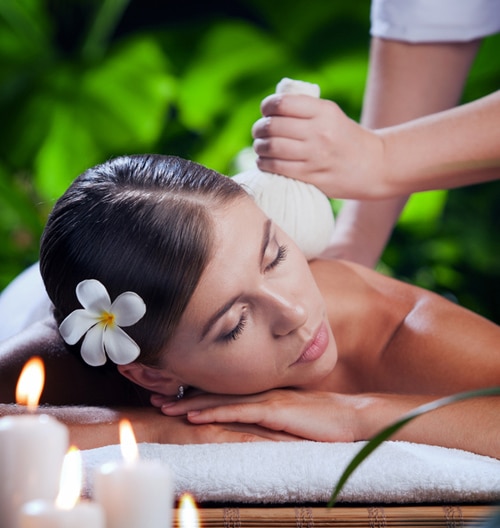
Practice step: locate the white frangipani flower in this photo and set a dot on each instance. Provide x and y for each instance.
(101, 321)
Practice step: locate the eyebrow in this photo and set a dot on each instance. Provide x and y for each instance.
(226, 307)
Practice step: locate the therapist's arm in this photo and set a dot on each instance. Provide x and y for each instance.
(405, 81)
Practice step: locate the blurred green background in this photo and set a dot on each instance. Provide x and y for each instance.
(85, 80)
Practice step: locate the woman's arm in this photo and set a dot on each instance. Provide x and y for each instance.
(450, 149)
(327, 417)
(405, 81)
(91, 427)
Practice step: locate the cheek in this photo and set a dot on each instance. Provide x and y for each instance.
(239, 370)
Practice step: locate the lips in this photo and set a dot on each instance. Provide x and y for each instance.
(317, 347)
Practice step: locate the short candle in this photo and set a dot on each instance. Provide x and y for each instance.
(43, 514)
(66, 511)
(134, 493)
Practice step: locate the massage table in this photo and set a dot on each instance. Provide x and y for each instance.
(289, 483)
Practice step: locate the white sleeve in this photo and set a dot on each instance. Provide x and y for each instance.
(434, 20)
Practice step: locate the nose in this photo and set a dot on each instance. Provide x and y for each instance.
(286, 312)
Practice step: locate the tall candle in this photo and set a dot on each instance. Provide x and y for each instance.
(134, 493)
(67, 511)
(32, 449)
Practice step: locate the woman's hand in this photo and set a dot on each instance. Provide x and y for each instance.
(311, 415)
(312, 140)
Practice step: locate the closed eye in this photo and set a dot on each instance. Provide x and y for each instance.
(280, 257)
(237, 330)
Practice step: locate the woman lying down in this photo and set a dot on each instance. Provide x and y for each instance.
(171, 287)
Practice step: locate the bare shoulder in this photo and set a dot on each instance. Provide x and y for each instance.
(343, 275)
(413, 340)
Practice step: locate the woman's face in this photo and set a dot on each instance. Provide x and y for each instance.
(256, 320)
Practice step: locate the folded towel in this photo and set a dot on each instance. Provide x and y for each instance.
(295, 472)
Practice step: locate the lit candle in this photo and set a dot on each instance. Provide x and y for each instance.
(134, 493)
(188, 512)
(32, 449)
(67, 511)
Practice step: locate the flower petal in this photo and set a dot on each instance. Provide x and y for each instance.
(92, 350)
(75, 325)
(93, 296)
(120, 347)
(128, 308)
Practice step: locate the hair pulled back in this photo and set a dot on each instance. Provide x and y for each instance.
(137, 223)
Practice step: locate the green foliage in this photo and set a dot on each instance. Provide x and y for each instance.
(85, 80)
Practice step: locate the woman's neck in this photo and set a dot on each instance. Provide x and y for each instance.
(363, 317)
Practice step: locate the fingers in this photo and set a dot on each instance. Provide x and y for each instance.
(286, 127)
(241, 413)
(290, 105)
(157, 400)
(288, 116)
(281, 149)
(289, 149)
(198, 403)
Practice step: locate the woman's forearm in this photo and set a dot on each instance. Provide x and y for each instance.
(92, 427)
(445, 150)
(471, 425)
(331, 417)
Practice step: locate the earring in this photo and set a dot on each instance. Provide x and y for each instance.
(180, 392)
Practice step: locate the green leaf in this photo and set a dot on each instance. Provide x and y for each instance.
(17, 208)
(230, 55)
(386, 433)
(117, 105)
(342, 79)
(21, 224)
(105, 21)
(25, 24)
(223, 145)
(423, 209)
(126, 97)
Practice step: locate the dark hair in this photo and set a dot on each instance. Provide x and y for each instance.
(137, 223)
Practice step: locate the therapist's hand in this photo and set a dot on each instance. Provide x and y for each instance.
(312, 140)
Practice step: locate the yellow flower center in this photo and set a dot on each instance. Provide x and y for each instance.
(107, 319)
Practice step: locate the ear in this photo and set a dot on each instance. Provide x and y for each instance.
(151, 378)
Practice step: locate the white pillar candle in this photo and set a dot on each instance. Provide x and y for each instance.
(66, 511)
(134, 493)
(45, 514)
(32, 449)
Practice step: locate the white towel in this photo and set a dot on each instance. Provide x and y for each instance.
(295, 472)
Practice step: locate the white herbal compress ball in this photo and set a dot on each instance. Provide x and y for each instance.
(300, 209)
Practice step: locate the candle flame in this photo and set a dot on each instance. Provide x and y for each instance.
(70, 484)
(128, 442)
(30, 385)
(188, 512)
